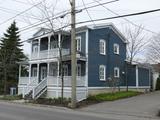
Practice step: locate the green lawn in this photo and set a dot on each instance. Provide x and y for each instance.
(112, 96)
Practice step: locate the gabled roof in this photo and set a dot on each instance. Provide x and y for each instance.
(45, 31)
(99, 26)
(41, 31)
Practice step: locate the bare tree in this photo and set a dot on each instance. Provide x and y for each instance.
(47, 13)
(137, 42)
(153, 53)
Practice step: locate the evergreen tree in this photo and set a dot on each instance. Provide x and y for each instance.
(10, 53)
(158, 83)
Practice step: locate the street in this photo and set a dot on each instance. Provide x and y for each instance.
(11, 111)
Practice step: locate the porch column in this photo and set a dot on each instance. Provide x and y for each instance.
(137, 81)
(38, 72)
(49, 42)
(58, 73)
(59, 41)
(31, 49)
(39, 42)
(20, 66)
(48, 67)
(30, 72)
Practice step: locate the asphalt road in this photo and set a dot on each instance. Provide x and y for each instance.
(11, 111)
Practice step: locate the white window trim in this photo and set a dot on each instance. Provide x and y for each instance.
(78, 38)
(118, 71)
(116, 45)
(104, 72)
(104, 42)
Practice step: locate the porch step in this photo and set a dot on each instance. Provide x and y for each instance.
(29, 95)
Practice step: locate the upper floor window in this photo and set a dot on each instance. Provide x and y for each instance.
(35, 49)
(102, 47)
(102, 71)
(116, 72)
(54, 44)
(116, 48)
(78, 41)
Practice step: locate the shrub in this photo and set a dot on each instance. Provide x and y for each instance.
(52, 101)
(158, 83)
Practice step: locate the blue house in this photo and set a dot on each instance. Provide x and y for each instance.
(101, 55)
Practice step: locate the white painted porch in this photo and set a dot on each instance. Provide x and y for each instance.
(53, 81)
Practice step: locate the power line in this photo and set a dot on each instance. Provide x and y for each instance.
(109, 18)
(124, 18)
(20, 13)
(88, 12)
(10, 11)
(62, 14)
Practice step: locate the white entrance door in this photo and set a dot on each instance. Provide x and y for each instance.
(43, 73)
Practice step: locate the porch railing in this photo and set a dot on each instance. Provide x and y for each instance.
(25, 81)
(49, 54)
(57, 81)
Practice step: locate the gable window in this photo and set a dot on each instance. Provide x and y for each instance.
(102, 71)
(116, 72)
(78, 43)
(116, 48)
(102, 47)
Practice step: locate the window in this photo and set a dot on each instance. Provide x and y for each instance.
(102, 47)
(34, 72)
(35, 49)
(116, 48)
(54, 44)
(65, 70)
(78, 69)
(116, 72)
(78, 41)
(102, 71)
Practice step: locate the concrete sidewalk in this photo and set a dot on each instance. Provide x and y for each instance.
(136, 108)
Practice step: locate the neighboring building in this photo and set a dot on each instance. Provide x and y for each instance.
(101, 54)
(139, 76)
(156, 73)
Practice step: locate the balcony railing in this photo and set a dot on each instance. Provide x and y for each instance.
(49, 54)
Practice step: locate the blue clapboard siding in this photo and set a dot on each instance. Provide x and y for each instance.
(131, 75)
(143, 77)
(95, 59)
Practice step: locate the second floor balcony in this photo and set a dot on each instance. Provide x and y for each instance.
(49, 54)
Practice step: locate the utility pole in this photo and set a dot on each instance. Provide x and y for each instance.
(73, 54)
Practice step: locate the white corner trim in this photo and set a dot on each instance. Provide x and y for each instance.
(87, 41)
(137, 79)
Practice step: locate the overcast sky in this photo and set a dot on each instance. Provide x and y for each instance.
(10, 8)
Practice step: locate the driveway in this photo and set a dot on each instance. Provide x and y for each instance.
(139, 107)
